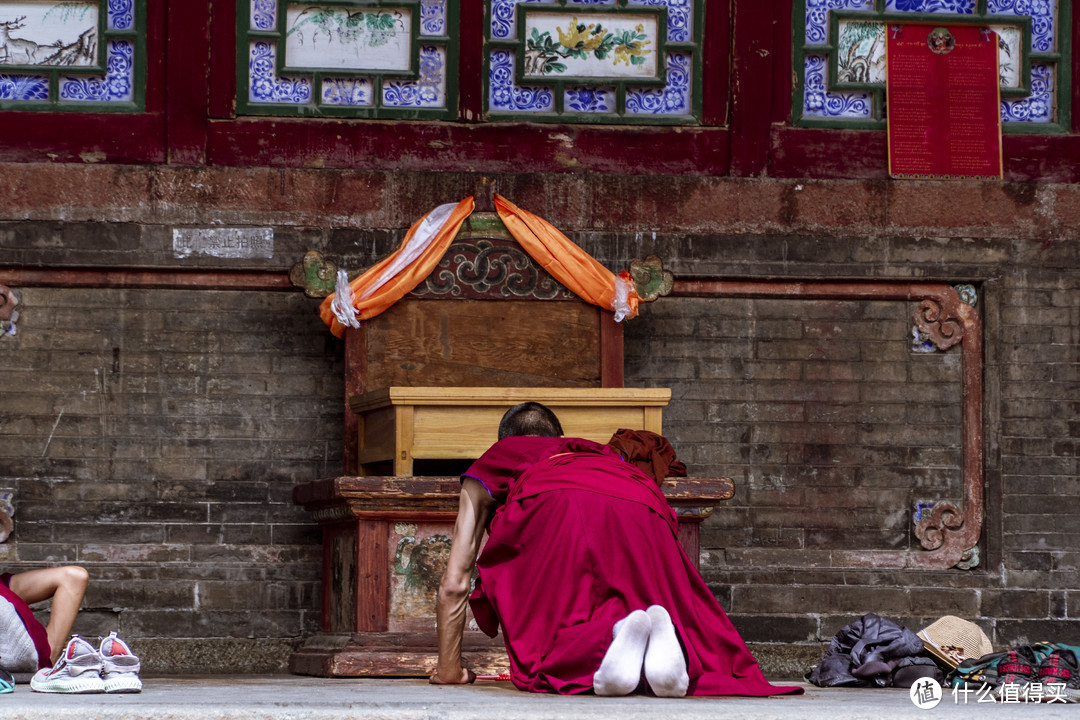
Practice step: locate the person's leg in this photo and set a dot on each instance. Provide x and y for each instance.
(620, 670)
(66, 586)
(665, 664)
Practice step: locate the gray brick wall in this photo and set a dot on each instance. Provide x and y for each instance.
(155, 435)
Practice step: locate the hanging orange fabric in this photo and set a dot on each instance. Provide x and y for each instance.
(404, 281)
(567, 263)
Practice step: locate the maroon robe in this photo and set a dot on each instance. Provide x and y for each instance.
(580, 539)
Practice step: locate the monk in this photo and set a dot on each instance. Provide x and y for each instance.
(584, 574)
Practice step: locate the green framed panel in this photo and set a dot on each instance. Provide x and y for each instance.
(347, 58)
(592, 44)
(82, 56)
(1029, 76)
(516, 88)
(837, 57)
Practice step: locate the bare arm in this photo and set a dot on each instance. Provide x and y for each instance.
(474, 510)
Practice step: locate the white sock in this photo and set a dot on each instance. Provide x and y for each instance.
(665, 664)
(620, 671)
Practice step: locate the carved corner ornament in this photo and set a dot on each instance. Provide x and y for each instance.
(9, 315)
(316, 275)
(651, 280)
(951, 531)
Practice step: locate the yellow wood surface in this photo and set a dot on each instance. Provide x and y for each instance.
(454, 423)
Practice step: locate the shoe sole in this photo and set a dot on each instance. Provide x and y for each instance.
(71, 686)
(123, 684)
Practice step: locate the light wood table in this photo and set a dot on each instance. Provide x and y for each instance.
(401, 424)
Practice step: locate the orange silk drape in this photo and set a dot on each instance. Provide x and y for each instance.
(399, 285)
(567, 263)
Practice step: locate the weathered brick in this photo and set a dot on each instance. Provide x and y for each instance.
(1015, 604)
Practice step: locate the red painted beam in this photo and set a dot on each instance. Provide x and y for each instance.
(222, 81)
(187, 56)
(449, 147)
(716, 63)
(751, 83)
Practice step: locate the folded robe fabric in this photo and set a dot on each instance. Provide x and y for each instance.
(649, 452)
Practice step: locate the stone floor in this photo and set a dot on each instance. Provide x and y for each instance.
(290, 697)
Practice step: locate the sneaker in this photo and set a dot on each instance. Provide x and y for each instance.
(7, 682)
(1060, 676)
(78, 671)
(1017, 671)
(119, 666)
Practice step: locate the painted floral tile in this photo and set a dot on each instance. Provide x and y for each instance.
(817, 16)
(340, 37)
(590, 45)
(428, 91)
(860, 52)
(117, 85)
(818, 101)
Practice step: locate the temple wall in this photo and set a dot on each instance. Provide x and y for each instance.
(153, 433)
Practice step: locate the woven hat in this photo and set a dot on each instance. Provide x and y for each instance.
(953, 640)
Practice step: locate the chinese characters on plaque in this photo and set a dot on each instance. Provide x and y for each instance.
(943, 102)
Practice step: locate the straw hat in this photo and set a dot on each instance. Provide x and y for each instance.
(953, 640)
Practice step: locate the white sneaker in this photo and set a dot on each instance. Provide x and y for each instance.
(77, 671)
(119, 666)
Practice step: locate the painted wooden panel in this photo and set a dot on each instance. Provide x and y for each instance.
(72, 55)
(451, 342)
(840, 58)
(629, 61)
(377, 59)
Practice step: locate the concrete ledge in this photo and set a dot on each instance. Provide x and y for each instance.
(289, 698)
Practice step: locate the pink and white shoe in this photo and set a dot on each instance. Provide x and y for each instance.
(119, 666)
(77, 671)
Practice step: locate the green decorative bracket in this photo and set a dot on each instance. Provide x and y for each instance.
(969, 560)
(316, 275)
(650, 279)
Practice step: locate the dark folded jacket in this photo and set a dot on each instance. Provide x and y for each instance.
(873, 652)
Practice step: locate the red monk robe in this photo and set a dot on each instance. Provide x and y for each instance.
(580, 539)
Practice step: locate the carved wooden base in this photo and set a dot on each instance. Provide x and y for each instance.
(391, 655)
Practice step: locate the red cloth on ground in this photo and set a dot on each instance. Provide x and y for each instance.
(581, 539)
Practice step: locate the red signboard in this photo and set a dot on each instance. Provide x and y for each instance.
(943, 102)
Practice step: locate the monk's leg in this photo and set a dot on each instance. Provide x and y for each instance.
(620, 671)
(665, 664)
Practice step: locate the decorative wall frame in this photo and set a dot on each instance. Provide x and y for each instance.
(839, 58)
(949, 532)
(351, 58)
(87, 55)
(582, 61)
